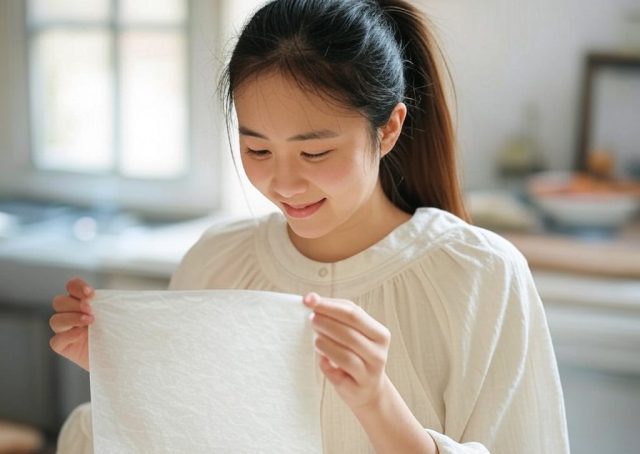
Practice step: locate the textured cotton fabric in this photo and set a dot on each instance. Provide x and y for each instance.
(470, 348)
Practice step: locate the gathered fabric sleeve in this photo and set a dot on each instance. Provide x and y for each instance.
(76, 436)
(223, 257)
(503, 391)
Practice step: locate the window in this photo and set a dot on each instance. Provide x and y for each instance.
(92, 168)
(108, 86)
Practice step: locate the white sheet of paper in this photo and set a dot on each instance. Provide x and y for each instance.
(203, 372)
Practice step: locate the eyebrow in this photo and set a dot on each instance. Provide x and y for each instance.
(319, 134)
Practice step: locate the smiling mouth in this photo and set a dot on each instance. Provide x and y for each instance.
(302, 210)
(299, 207)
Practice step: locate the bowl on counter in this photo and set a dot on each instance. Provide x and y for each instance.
(575, 200)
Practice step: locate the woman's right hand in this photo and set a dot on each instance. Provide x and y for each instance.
(70, 322)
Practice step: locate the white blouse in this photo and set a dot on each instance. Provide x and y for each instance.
(470, 348)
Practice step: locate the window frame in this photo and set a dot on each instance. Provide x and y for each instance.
(198, 192)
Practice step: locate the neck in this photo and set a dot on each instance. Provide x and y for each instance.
(364, 229)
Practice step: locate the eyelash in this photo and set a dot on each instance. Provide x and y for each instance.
(263, 153)
(316, 155)
(258, 153)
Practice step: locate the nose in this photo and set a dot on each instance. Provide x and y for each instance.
(287, 180)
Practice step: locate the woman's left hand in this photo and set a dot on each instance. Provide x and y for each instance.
(353, 349)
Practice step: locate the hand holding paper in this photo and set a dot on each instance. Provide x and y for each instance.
(69, 323)
(354, 348)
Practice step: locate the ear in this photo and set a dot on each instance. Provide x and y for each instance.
(389, 133)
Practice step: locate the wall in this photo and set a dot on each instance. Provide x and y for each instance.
(505, 54)
(13, 109)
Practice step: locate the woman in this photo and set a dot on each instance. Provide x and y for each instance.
(431, 335)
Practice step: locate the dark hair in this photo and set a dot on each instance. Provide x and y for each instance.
(366, 55)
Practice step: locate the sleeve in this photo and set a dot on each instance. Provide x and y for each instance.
(76, 436)
(190, 273)
(503, 393)
(218, 258)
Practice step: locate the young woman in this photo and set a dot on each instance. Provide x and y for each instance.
(431, 335)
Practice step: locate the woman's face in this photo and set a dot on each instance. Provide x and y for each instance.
(309, 157)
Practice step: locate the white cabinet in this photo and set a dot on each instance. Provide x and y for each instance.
(595, 327)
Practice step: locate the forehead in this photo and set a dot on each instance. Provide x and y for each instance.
(277, 105)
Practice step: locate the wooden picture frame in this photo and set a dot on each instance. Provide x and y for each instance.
(610, 102)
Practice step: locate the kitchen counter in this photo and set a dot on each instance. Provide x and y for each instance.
(143, 248)
(617, 256)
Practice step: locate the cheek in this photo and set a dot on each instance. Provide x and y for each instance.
(343, 175)
(257, 172)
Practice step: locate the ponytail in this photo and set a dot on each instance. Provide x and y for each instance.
(369, 56)
(422, 168)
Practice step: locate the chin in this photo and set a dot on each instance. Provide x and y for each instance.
(307, 229)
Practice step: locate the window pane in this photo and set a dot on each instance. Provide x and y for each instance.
(69, 10)
(72, 101)
(153, 104)
(165, 11)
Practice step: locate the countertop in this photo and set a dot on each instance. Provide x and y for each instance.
(616, 256)
(148, 250)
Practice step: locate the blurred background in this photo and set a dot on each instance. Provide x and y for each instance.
(114, 158)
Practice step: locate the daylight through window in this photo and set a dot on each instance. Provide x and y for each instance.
(108, 86)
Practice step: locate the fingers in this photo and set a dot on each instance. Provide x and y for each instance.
(336, 375)
(61, 341)
(65, 303)
(66, 321)
(70, 322)
(350, 314)
(77, 300)
(348, 338)
(79, 289)
(341, 357)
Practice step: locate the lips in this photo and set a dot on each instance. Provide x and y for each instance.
(302, 210)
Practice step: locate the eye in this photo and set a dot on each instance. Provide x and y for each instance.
(258, 153)
(316, 155)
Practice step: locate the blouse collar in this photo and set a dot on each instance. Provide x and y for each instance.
(285, 265)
